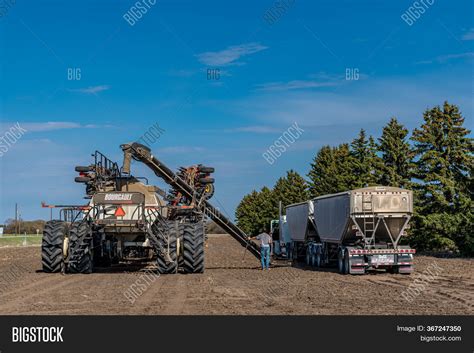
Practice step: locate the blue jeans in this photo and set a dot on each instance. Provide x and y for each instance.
(265, 256)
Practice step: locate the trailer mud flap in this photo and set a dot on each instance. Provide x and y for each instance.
(357, 265)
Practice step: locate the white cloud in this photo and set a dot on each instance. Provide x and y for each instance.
(468, 35)
(91, 89)
(319, 80)
(362, 103)
(445, 58)
(49, 126)
(294, 85)
(230, 55)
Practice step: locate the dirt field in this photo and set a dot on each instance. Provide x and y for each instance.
(229, 286)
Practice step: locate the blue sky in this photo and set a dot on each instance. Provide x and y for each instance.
(271, 76)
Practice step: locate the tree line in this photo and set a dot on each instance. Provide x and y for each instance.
(20, 227)
(435, 161)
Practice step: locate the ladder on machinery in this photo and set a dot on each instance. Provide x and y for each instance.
(368, 217)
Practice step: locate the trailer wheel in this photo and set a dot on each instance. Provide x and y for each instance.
(308, 256)
(294, 253)
(340, 261)
(318, 257)
(193, 247)
(313, 259)
(52, 256)
(80, 248)
(347, 265)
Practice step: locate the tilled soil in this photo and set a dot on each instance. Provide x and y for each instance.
(232, 284)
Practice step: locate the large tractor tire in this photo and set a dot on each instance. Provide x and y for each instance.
(52, 245)
(193, 247)
(80, 248)
(168, 241)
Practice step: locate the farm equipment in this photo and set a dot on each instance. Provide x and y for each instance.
(360, 230)
(128, 220)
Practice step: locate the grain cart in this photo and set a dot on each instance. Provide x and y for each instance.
(128, 220)
(359, 230)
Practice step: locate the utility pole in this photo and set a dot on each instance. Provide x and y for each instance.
(19, 223)
(16, 218)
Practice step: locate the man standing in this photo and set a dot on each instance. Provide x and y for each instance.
(265, 241)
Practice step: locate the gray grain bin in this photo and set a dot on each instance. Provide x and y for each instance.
(298, 217)
(375, 214)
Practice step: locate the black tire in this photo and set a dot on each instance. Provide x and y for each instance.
(206, 180)
(308, 257)
(80, 248)
(208, 191)
(206, 170)
(340, 262)
(347, 266)
(317, 261)
(294, 253)
(193, 247)
(82, 179)
(83, 169)
(167, 237)
(52, 256)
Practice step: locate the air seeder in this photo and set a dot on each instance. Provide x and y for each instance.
(128, 220)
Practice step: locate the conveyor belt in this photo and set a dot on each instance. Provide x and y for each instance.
(143, 154)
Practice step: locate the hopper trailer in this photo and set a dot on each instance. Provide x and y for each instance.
(359, 230)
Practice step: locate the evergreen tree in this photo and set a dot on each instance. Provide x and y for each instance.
(266, 210)
(367, 165)
(331, 171)
(396, 155)
(255, 211)
(375, 163)
(344, 177)
(247, 212)
(444, 164)
(290, 189)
